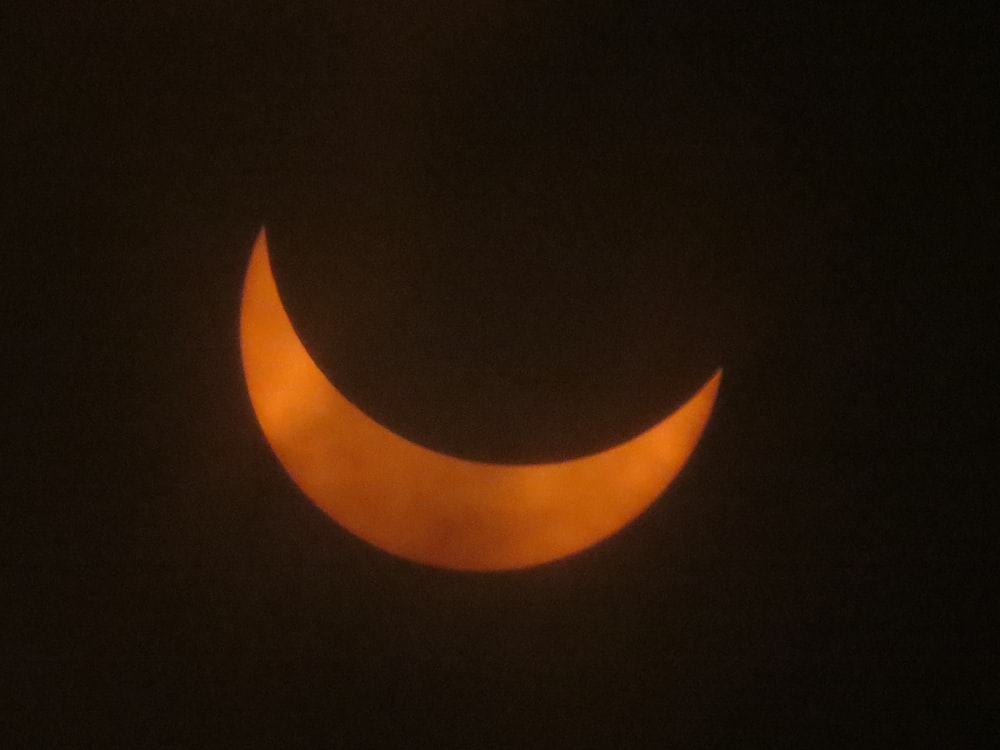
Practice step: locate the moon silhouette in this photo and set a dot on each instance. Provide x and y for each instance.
(426, 506)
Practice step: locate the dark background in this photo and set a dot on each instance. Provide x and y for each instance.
(516, 232)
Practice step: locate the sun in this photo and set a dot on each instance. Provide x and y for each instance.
(427, 506)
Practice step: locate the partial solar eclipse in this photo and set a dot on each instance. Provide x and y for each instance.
(424, 505)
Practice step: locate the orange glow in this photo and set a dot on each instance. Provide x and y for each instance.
(427, 506)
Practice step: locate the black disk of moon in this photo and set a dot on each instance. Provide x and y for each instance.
(510, 253)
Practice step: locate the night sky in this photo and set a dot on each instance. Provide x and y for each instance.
(511, 232)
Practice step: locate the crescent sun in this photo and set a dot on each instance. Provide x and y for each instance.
(426, 506)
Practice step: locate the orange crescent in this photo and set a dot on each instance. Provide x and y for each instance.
(426, 506)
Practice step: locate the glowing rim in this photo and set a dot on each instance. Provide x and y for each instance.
(426, 506)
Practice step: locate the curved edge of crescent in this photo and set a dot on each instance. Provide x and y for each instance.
(426, 506)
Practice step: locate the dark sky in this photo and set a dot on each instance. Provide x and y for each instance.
(518, 232)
